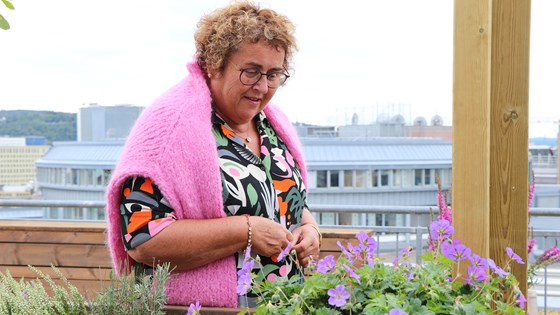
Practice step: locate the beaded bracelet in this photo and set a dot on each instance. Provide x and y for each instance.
(249, 232)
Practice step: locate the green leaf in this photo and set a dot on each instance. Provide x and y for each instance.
(220, 139)
(3, 23)
(253, 195)
(327, 311)
(8, 4)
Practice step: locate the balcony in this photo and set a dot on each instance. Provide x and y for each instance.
(77, 248)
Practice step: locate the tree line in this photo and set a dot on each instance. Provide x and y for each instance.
(55, 126)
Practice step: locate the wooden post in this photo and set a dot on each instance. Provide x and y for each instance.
(490, 128)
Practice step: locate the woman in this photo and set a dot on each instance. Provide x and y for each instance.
(211, 168)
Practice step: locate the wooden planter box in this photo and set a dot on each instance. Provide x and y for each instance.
(78, 251)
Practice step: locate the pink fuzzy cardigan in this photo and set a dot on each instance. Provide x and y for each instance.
(172, 143)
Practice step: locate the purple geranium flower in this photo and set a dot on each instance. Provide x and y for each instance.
(514, 256)
(326, 264)
(476, 274)
(478, 261)
(367, 243)
(441, 229)
(244, 283)
(396, 311)
(284, 252)
(455, 251)
(247, 253)
(246, 268)
(521, 300)
(338, 295)
(348, 254)
(499, 271)
(194, 309)
(352, 273)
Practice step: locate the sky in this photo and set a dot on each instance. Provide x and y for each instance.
(375, 58)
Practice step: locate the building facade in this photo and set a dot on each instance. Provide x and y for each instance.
(101, 123)
(17, 162)
(77, 171)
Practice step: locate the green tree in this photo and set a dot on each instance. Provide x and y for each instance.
(3, 22)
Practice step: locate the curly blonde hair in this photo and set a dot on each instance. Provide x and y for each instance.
(222, 32)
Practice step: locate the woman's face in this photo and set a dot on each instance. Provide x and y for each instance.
(238, 103)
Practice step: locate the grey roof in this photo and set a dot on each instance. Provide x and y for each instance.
(82, 154)
(379, 152)
(319, 153)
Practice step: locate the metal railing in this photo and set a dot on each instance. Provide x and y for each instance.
(388, 237)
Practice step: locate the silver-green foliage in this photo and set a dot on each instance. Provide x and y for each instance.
(130, 294)
(30, 297)
(134, 295)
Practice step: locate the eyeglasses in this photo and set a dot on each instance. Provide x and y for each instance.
(274, 79)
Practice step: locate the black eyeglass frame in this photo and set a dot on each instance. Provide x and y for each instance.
(285, 73)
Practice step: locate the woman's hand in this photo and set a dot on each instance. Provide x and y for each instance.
(307, 243)
(269, 238)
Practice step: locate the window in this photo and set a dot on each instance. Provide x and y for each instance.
(106, 176)
(348, 179)
(385, 178)
(397, 181)
(334, 178)
(427, 176)
(417, 177)
(74, 176)
(374, 179)
(321, 179)
(98, 176)
(360, 178)
(407, 178)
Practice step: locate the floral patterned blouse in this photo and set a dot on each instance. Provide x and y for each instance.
(269, 185)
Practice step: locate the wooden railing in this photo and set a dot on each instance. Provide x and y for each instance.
(78, 251)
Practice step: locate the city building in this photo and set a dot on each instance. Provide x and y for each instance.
(384, 171)
(77, 171)
(101, 123)
(17, 166)
(376, 171)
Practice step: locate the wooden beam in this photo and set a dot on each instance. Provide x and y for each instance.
(490, 127)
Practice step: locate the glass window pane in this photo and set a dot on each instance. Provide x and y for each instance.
(407, 178)
(348, 178)
(321, 179)
(106, 176)
(397, 178)
(417, 177)
(385, 178)
(374, 179)
(427, 176)
(334, 178)
(361, 178)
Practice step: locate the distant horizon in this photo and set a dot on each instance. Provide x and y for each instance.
(539, 131)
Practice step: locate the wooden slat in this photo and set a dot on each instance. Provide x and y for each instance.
(52, 236)
(42, 225)
(341, 234)
(63, 255)
(88, 288)
(69, 273)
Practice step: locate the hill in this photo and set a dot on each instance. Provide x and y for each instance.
(55, 126)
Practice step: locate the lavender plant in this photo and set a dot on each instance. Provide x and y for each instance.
(129, 294)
